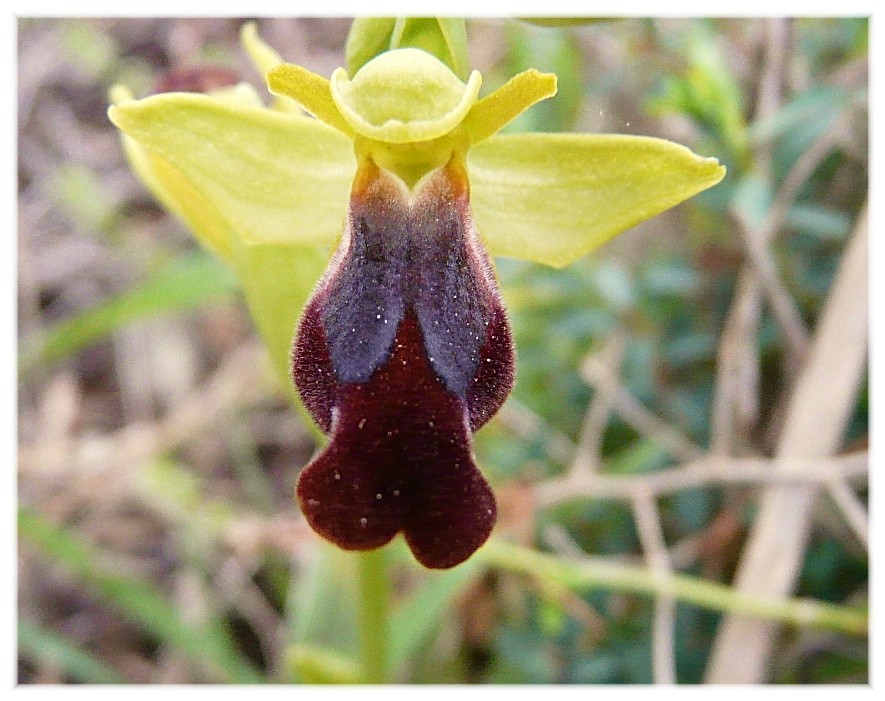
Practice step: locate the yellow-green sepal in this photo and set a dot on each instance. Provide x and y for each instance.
(262, 55)
(265, 59)
(552, 198)
(270, 176)
(277, 278)
(193, 175)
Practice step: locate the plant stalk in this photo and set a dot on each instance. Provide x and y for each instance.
(598, 574)
(374, 593)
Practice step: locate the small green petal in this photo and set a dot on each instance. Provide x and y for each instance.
(551, 198)
(403, 96)
(513, 98)
(310, 90)
(272, 176)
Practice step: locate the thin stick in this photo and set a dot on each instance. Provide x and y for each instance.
(526, 423)
(637, 416)
(821, 403)
(707, 471)
(852, 509)
(589, 449)
(785, 311)
(590, 573)
(648, 525)
(735, 404)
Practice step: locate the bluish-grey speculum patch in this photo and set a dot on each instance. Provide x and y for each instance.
(403, 351)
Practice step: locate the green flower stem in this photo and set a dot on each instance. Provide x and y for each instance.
(374, 593)
(597, 574)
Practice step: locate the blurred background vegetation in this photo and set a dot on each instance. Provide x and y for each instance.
(159, 540)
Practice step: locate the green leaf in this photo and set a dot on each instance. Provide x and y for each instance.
(271, 176)
(322, 606)
(184, 283)
(412, 626)
(818, 220)
(820, 103)
(48, 647)
(708, 92)
(752, 197)
(319, 665)
(208, 645)
(641, 456)
(551, 198)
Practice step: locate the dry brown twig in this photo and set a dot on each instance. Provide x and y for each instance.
(588, 452)
(651, 535)
(820, 406)
(798, 469)
(234, 384)
(636, 415)
(707, 471)
(852, 509)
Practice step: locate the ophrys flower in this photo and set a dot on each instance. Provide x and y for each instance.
(403, 349)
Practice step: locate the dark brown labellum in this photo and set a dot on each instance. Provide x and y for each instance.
(402, 352)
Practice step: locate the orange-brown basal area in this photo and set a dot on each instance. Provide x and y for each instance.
(403, 352)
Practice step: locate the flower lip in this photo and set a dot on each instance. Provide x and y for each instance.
(403, 351)
(402, 96)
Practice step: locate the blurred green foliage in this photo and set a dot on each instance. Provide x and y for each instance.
(671, 300)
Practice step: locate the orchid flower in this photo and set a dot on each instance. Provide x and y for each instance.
(403, 349)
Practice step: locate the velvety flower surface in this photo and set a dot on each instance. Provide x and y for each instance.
(402, 353)
(403, 349)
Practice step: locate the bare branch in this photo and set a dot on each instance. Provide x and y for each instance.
(651, 535)
(788, 471)
(523, 421)
(589, 449)
(736, 404)
(820, 406)
(782, 305)
(852, 509)
(636, 415)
